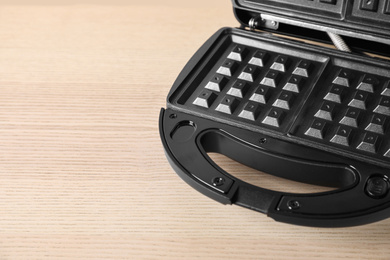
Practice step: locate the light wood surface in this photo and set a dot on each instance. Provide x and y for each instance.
(82, 171)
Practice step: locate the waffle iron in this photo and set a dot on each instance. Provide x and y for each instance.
(290, 108)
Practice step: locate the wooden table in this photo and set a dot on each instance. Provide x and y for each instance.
(82, 170)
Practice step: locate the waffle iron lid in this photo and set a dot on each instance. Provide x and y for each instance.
(362, 19)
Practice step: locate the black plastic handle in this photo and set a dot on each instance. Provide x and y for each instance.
(362, 194)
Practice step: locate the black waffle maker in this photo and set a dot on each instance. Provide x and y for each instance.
(290, 108)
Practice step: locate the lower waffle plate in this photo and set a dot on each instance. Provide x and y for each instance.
(317, 105)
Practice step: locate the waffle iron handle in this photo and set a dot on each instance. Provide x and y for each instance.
(187, 139)
(190, 161)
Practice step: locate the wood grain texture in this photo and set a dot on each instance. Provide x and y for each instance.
(82, 171)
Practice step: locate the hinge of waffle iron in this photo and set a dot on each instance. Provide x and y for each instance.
(258, 22)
